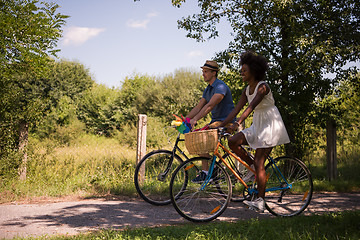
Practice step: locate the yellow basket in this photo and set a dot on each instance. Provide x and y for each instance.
(201, 142)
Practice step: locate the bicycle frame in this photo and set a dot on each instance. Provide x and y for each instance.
(175, 148)
(279, 175)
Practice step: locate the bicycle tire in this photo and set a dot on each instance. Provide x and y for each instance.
(154, 188)
(195, 203)
(291, 201)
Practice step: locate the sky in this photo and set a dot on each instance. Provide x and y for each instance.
(116, 39)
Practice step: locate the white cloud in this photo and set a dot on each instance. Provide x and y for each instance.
(137, 24)
(141, 23)
(153, 14)
(196, 53)
(79, 35)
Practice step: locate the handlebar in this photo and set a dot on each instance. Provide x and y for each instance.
(222, 132)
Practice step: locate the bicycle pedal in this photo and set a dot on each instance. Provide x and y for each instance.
(251, 208)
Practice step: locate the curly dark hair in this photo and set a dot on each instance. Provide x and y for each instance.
(258, 64)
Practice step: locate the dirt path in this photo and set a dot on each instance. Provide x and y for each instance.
(72, 217)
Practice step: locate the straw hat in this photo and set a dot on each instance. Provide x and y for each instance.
(210, 64)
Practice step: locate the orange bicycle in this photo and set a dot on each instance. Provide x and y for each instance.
(289, 184)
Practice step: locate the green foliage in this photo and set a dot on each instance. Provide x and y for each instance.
(105, 110)
(173, 94)
(8, 166)
(235, 83)
(132, 89)
(342, 104)
(88, 165)
(100, 111)
(69, 79)
(298, 39)
(29, 31)
(29, 34)
(65, 87)
(157, 135)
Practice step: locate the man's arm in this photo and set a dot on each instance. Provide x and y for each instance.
(197, 108)
(215, 99)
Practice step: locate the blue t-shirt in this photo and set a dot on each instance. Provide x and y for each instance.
(221, 110)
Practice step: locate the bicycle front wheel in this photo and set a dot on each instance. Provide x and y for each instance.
(200, 200)
(289, 187)
(153, 174)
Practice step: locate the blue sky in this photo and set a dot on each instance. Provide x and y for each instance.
(117, 38)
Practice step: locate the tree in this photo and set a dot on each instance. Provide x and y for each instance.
(29, 33)
(302, 39)
(66, 84)
(175, 93)
(104, 110)
(100, 110)
(340, 109)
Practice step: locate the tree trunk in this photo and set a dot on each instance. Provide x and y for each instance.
(23, 142)
(331, 149)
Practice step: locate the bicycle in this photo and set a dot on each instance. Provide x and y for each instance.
(289, 185)
(153, 173)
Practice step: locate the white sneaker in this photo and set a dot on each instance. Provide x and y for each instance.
(249, 177)
(257, 204)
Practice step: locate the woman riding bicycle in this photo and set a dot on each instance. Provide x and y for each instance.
(267, 129)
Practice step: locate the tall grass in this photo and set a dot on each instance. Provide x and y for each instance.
(89, 166)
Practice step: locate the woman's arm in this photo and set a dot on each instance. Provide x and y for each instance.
(236, 110)
(262, 90)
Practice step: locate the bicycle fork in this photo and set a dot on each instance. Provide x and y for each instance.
(161, 177)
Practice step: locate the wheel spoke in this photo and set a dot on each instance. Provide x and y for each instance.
(295, 199)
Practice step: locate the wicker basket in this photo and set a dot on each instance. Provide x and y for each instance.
(201, 142)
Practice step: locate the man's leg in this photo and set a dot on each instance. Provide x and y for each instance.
(205, 164)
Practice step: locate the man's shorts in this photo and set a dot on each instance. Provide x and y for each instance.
(217, 123)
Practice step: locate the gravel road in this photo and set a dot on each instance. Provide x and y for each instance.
(71, 217)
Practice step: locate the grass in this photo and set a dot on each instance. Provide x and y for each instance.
(89, 166)
(344, 225)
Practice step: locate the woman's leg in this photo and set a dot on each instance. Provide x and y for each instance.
(235, 142)
(261, 155)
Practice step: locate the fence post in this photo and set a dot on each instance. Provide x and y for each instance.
(141, 143)
(331, 149)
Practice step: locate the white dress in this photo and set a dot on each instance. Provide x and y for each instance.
(267, 129)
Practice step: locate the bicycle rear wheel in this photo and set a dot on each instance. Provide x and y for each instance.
(290, 197)
(200, 201)
(153, 174)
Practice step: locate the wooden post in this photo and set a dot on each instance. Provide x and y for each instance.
(331, 149)
(141, 143)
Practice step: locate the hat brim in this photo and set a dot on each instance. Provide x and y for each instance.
(210, 67)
